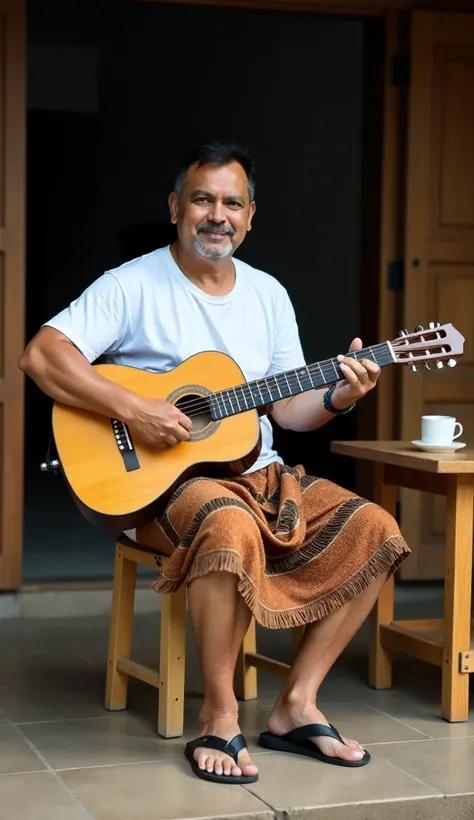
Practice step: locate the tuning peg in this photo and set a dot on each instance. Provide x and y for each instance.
(451, 363)
(427, 366)
(438, 324)
(403, 332)
(432, 325)
(413, 368)
(439, 365)
(419, 327)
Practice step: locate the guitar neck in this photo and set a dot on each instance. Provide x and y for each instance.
(251, 395)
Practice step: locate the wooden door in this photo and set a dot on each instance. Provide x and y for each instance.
(439, 250)
(12, 285)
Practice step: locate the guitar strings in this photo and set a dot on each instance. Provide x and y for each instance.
(284, 380)
(194, 407)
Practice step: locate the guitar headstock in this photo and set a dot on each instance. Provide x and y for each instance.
(435, 344)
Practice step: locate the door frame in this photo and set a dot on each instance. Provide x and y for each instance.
(12, 249)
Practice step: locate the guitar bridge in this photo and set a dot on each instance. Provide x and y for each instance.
(124, 443)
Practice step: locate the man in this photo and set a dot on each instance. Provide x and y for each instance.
(288, 548)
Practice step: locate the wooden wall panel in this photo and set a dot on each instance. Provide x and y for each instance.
(12, 278)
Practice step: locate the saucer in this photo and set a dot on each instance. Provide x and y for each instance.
(439, 448)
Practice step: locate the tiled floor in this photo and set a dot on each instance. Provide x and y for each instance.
(63, 757)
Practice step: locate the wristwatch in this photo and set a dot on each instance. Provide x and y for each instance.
(328, 405)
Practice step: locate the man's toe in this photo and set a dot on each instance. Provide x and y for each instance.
(211, 763)
(249, 770)
(246, 765)
(202, 760)
(354, 746)
(352, 753)
(342, 751)
(335, 748)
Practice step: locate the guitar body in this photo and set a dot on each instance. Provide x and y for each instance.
(121, 490)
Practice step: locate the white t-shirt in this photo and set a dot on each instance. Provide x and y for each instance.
(147, 314)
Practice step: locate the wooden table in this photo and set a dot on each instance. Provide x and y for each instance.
(447, 642)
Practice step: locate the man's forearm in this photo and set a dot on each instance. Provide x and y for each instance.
(305, 412)
(63, 373)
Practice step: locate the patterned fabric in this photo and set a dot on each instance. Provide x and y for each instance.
(300, 546)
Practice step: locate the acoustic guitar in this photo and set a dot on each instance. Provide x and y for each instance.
(118, 481)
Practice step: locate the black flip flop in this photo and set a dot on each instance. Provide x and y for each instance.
(297, 743)
(229, 747)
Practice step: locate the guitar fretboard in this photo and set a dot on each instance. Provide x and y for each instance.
(250, 395)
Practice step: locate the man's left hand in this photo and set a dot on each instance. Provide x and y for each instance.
(360, 376)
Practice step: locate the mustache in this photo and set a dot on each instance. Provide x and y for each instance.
(211, 227)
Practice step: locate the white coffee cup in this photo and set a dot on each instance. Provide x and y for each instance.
(439, 429)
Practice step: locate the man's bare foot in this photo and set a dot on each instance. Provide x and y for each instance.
(225, 726)
(286, 717)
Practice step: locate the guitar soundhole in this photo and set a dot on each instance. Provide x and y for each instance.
(194, 401)
(198, 410)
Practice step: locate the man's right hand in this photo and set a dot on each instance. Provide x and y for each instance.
(159, 423)
(64, 374)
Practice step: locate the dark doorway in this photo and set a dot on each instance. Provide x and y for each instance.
(101, 160)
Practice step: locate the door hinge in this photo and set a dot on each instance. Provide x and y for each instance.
(395, 274)
(400, 71)
(466, 661)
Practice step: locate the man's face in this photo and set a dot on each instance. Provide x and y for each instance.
(213, 212)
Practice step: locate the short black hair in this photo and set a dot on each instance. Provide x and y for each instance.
(216, 153)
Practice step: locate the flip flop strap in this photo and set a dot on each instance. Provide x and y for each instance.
(312, 730)
(229, 747)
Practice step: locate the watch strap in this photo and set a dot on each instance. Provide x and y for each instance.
(329, 407)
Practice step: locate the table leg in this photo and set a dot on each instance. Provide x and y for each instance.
(457, 596)
(380, 658)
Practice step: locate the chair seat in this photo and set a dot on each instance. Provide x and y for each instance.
(125, 541)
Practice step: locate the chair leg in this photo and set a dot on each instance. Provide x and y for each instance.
(121, 628)
(380, 658)
(172, 664)
(245, 683)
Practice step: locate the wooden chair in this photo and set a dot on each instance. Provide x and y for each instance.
(169, 678)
